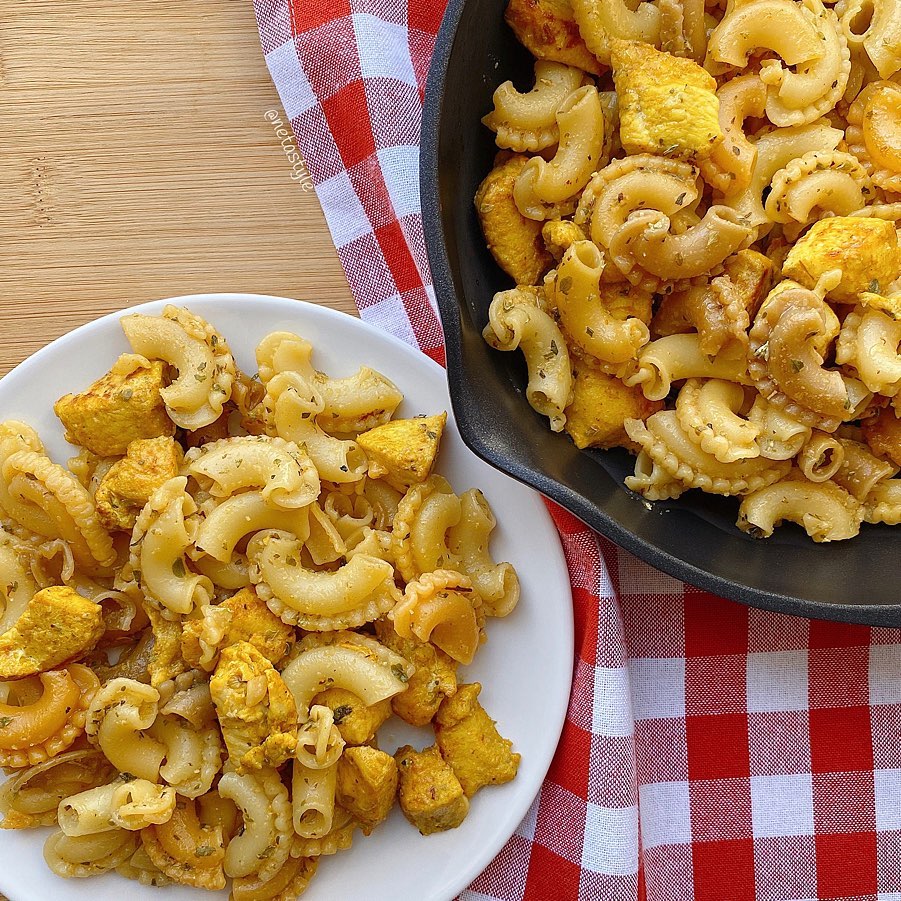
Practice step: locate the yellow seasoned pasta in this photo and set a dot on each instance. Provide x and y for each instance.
(780, 157)
(186, 699)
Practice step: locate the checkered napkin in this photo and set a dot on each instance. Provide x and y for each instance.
(710, 751)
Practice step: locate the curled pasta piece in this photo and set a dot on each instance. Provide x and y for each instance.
(313, 799)
(290, 882)
(17, 584)
(129, 804)
(803, 93)
(496, 583)
(781, 437)
(788, 340)
(117, 719)
(36, 479)
(193, 754)
(80, 856)
(442, 607)
(591, 325)
(515, 321)
(236, 517)
(647, 240)
(31, 797)
(652, 481)
(731, 162)
(293, 405)
(193, 704)
(357, 402)
(421, 527)
(17, 436)
(821, 457)
(528, 121)
(869, 341)
(324, 543)
(818, 183)
(710, 410)
(206, 369)
(142, 869)
(601, 20)
(883, 503)
(874, 133)
(677, 357)
(162, 535)
(667, 444)
(788, 29)
(775, 150)
(883, 38)
(264, 845)
(187, 850)
(822, 509)
(339, 838)
(350, 661)
(350, 515)
(860, 470)
(359, 592)
(637, 182)
(40, 727)
(319, 743)
(285, 352)
(281, 470)
(543, 185)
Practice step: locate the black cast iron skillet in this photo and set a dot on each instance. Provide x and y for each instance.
(693, 538)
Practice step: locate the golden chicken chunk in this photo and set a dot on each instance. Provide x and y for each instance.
(248, 619)
(356, 721)
(429, 793)
(515, 242)
(559, 234)
(864, 249)
(165, 659)
(882, 434)
(118, 408)
(403, 451)
(548, 29)
(434, 679)
(256, 710)
(601, 404)
(128, 484)
(667, 104)
(366, 785)
(469, 741)
(56, 626)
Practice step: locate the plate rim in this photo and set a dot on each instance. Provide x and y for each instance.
(553, 725)
(451, 309)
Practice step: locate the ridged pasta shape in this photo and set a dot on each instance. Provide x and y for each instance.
(356, 402)
(822, 509)
(652, 481)
(193, 754)
(675, 357)
(883, 38)
(131, 804)
(49, 716)
(665, 441)
(516, 322)
(118, 718)
(860, 470)
(528, 121)
(781, 437)
(443, 608)
(279, 469)
(319, 743)
(264, 845)
(164, 532)
(358, 592)
(80, 856)
(883, 504)
(710, 409)
(601, 20)
(583, 315)
(421, 529)
(468, 541)
(290, 882)
(874, 133)
(236, 517)
(350, 661)
(869, 341)
(206, 369)
(285, 352)
(543, 185)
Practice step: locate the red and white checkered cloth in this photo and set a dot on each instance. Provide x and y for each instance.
(711, 751)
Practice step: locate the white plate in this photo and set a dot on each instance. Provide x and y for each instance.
(525, 667)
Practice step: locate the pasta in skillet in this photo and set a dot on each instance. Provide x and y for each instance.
(718, 289)
(203, 628)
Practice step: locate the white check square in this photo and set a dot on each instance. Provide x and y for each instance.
(665, 813)
(658, 687)
(384, 49)
(611, 840)
(776, 681)
(293, 88)
(782, 805)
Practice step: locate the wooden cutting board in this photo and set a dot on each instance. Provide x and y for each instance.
(137, 162)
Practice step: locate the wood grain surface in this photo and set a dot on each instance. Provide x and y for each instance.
(137, 162)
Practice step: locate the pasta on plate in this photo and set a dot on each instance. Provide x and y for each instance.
(700, 208)
(203, 628)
